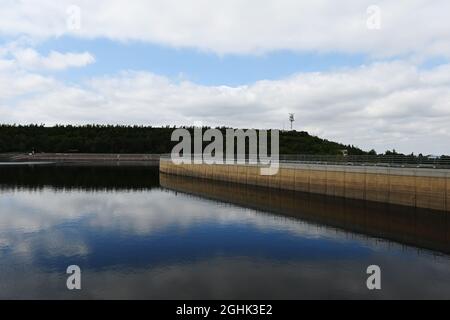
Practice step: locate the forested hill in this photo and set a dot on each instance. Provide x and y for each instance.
(134, 139)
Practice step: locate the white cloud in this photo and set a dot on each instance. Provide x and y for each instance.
(16, 84)
(19, 55)
(235, 26)
(382, 105)
(30, 59)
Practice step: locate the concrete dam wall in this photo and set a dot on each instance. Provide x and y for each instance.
(415, 187)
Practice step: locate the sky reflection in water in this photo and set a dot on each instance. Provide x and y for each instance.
(135, 239)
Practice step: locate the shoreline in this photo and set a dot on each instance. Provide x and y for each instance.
(78, 159)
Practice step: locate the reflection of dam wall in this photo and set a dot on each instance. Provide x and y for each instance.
(79, 176)
(418, 227)
(416, 187)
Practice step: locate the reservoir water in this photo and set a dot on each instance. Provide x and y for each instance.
(136, 234)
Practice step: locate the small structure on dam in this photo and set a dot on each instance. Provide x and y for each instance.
(409, 186)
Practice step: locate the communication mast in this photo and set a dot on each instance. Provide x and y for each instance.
(291, 119)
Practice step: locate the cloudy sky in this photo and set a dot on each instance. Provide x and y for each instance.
(370, 73)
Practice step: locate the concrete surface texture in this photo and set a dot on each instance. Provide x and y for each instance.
(416, 187)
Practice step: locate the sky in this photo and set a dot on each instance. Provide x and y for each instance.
(375, 74)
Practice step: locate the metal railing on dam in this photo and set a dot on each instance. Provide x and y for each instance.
(84, 157)
(408, 184)
(394, 160)
(381, 160)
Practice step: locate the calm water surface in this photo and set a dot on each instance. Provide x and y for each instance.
(138, 235)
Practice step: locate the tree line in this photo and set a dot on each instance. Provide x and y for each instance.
(137, 139)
